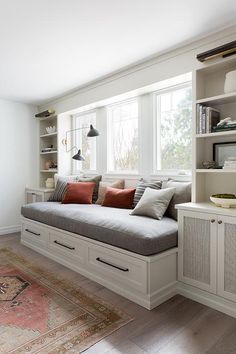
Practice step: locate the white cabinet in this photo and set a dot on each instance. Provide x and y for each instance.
(207, 252)
(227, 257)
(33, 195)
(197, 250)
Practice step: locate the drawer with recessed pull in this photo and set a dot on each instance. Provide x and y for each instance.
(68, 246)
(127, 271)
(33, 233)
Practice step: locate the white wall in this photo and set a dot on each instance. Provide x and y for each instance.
(18, 160)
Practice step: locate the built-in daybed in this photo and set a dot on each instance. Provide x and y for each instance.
(134, 256)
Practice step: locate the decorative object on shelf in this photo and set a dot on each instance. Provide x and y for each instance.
(222, 152)
(224, 200)
(48, 149)
(230, 163)
(53, 166)
(51, 130)
(221, 51)
(45, 114)
(225, 124)
(209, 164)
(230, 82)
(91, 133)
(48, 164)
(207, 119)
(49, 182)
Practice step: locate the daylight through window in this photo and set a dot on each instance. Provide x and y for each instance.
(174, 127)
(123, 137)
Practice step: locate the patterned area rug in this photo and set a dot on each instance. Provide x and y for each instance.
(42, 313)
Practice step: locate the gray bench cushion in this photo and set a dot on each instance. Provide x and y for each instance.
(114, 226)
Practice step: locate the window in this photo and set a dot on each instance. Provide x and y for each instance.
(173, 133)
(123, 137)
(87, 145)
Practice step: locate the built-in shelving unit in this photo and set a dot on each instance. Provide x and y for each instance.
(209, 91)
(47, 141)
(58, 155)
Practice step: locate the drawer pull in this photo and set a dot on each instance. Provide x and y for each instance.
(32, 232)
(112, 265)
(220, 222)
(61, 244)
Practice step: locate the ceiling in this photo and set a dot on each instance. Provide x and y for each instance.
(50, 47)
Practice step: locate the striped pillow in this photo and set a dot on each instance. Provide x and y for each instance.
(141, 188)
(61, 187)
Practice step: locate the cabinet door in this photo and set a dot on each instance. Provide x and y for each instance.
(197, 249)
(227, 257)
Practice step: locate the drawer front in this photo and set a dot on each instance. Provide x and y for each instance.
(127, 271)
(34, 234)
(67, 246)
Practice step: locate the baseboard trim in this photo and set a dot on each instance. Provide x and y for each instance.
(211, 300)
(9, 229)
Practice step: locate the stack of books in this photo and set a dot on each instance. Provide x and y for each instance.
(207, 119)
(230, 163)
(224, 127)
(45, 114)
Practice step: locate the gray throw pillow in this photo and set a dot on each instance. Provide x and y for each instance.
(182, 195)
(61, 186)
(154, 203)
(142, 185)
(96, 180)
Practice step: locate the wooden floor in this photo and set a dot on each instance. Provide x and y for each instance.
(178, 326)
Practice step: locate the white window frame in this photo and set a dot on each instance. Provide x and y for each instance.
(123, 173)
(156, 134)
(75, 170)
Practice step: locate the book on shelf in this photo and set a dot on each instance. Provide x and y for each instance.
(45, 114)
(207, 119)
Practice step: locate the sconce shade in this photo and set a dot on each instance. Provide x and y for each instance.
(78, 156)
(92, 132)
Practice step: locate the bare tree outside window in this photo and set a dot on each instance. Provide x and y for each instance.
(174, 129)
(123, 137)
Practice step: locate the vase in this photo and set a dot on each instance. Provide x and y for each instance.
(230, 82)
(50, 183)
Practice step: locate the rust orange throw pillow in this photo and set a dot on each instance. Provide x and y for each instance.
(119, 198)
(79, 193)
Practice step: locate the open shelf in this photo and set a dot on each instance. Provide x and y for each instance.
(213, 135)
(48, 171)
(212, 170)
(48, 152)
(47, 135)
(218, 100)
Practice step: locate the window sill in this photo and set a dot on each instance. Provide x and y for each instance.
(90, 173)
(172, 174)
(125, 175)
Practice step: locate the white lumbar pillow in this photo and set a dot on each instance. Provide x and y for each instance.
(154, 202)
